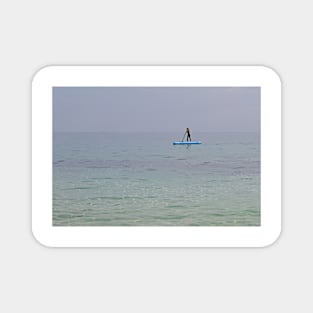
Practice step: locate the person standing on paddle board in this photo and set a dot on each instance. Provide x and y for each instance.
(188, 134)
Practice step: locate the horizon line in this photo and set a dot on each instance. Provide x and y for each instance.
(151, 131)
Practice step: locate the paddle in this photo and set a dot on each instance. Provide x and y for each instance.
(184, 136)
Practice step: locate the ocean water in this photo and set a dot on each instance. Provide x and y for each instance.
(141, 179)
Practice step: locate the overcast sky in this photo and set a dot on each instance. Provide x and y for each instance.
(144, 109)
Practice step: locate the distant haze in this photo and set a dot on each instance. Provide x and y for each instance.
(156, 109)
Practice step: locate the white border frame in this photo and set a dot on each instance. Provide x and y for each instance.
(208, 236)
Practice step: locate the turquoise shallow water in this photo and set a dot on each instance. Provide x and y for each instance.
(141, 179)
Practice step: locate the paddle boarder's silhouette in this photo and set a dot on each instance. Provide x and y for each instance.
(188, 134)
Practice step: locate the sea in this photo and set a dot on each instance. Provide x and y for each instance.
(142, 179)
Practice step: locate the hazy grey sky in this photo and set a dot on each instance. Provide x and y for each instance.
(127, 109)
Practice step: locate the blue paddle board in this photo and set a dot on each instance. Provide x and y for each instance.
(187, 142)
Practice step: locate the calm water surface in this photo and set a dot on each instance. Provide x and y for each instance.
(141, 179)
